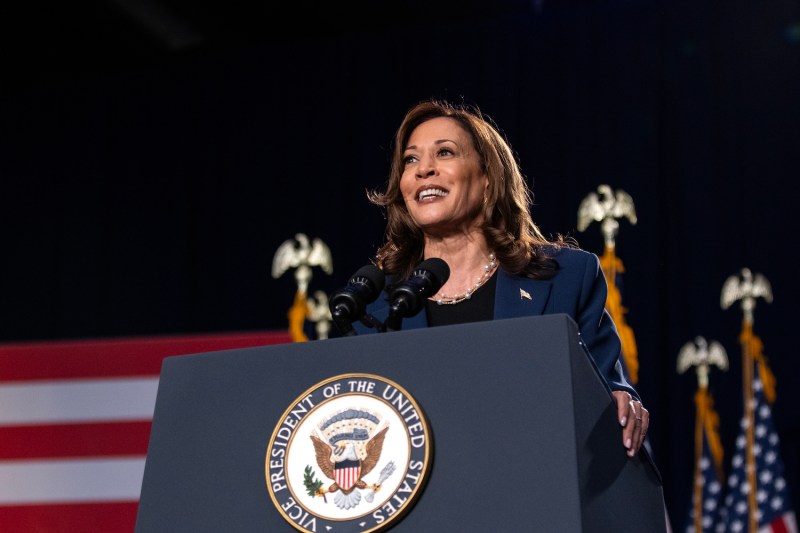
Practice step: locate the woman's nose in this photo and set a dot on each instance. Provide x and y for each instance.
(426, 167)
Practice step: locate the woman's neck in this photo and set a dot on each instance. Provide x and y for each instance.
(468, 258)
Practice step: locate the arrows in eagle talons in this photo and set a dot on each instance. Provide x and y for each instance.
(385, 473)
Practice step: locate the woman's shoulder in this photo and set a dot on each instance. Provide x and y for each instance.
(575, 264)
(570, 255)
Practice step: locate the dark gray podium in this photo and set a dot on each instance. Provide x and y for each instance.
(524, 431)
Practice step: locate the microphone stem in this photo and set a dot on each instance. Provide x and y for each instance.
(340, 318)
(372, 322)
(394, 322)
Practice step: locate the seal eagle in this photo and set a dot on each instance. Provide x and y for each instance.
(342, 464)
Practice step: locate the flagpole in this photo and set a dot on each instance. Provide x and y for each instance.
(606, 206)
(702, 354)
(747, 384)
(611, 266)
(697, 493)
(747, 289)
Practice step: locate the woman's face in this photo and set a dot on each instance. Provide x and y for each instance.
(442, 183)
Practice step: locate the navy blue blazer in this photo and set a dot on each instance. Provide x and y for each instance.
(578, 289)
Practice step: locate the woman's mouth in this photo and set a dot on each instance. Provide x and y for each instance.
(430, 193)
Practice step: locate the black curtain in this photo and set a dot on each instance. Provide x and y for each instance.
(152, 201)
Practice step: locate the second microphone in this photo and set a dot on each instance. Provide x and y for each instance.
(407, 297)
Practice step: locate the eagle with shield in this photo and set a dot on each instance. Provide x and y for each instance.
(346, 452)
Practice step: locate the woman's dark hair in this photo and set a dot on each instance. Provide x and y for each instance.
(519, 245)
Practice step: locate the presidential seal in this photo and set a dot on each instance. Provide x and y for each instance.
(349, 454)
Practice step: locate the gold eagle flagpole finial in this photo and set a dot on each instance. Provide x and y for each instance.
(301, 254)
(747, 289)
(606, 206)
(701, 355)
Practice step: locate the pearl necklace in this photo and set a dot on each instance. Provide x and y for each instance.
(488, 270)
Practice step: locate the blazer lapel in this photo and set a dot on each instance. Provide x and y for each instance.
(516, 296)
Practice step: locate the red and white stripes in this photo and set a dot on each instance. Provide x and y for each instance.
(75, 423)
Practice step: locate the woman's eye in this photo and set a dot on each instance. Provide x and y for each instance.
(409, 159)
(445, 151)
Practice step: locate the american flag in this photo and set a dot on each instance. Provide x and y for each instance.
(773, 512)
(75, 424)
(707, 493)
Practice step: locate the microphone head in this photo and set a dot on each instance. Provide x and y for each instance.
(373, 277)
(349, 303)
(408, 297)
(436, 268)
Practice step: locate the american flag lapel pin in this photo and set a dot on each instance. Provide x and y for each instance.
(524, 294)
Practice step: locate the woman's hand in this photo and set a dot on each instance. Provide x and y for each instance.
(634, 419)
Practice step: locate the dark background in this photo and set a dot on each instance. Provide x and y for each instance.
(155, 154)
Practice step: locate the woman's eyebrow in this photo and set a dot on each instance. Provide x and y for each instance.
(440, 141)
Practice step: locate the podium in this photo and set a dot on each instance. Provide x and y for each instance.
(524, 432)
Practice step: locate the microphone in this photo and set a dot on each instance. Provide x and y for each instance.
(408, 297)
(349, 303)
